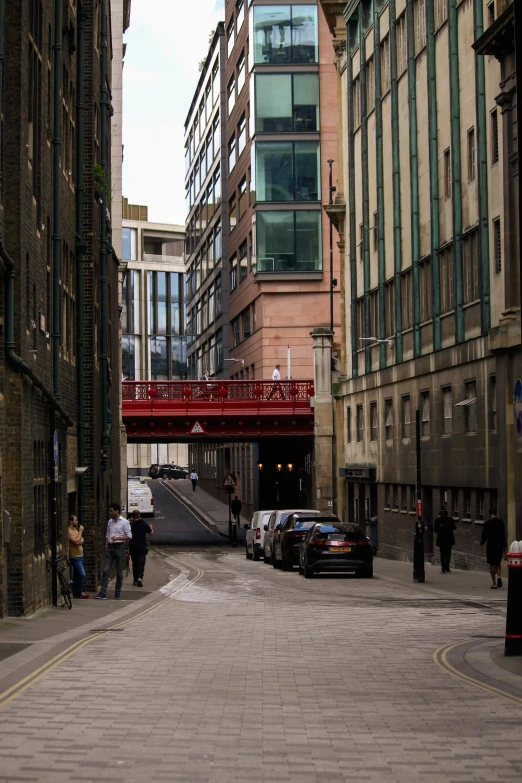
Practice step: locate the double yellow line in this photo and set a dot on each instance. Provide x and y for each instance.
(22, 685)
(441, 659)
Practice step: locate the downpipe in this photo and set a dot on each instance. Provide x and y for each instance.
(104, 359)
(80, 251)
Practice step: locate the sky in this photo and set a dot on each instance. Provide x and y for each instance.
(165, 42)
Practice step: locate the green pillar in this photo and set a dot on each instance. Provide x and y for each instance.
(365, 205)
(396, 174)
(434, 175)
(482, 172)
(456, 166)
(352, 221)
(414, 175)
(379, 164)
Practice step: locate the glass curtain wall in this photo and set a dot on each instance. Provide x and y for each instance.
(289, 241)
(287, 171)
(285, 34)
(167, 342)
(286, 102)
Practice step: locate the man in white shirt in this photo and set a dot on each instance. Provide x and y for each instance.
(194, 478)
(277, 389)
(118, 532)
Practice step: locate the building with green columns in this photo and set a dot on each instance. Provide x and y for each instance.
(427, 218)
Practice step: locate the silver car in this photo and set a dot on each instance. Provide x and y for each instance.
(271, 529)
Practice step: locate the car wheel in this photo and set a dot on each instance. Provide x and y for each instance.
(163, 476)
(301, 572)
(247, 554)
(255, 555)
(266, 559)
(308, 573)
(367, 573)
(275, 563)
(286, 565)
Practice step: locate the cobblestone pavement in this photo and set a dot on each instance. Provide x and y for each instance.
(246, 674)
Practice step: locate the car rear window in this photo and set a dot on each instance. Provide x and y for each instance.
(340, 532)
(304, 524)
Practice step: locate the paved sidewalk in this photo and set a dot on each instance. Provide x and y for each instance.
(212, 510)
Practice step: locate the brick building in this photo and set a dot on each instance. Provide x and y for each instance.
(59, 291)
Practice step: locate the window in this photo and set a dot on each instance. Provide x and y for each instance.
(287, 102)
(356, 102)
(425, 290)
(231, 92)
(480, 504)
(243, 199)
(240, 14)
(467, 503)
(492, 403)
(406, 416)
(236, 332)
(441, 12)
(419, 17)
(470, 407)
(233, 273)
(128, 237)
(360, 319)
(396, 497)
(387, 496)
(389, 305)
(413, 498)
(494, 136)
(230, 37)
(471, 270)
(374, 314)
(360, 424)
(285, 34)
(402, 49)
(232, 214)
(447, 173)
(385, 65)
(455, 502)
(446, 279)
(373, 421)
(491, 13)
(406, 296)
(497, 239)
(243, 260)
(240, 72)
(388, 419)
(246, 324)
(128, 357)
(370, 85)
(425, 414)
(241, 135)
(447, 410)
(348, 425)
(288, 241)
(472, 154)
(404, 498)
(288, 171)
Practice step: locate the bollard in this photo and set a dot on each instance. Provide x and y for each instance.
(513, 643)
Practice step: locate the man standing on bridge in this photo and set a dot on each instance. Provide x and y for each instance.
(138, 547)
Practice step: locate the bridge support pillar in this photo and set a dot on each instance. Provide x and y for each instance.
(323, 476)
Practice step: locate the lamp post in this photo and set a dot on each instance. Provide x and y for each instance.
(331, 191)
(418, 540)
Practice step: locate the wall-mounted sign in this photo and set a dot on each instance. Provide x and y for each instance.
(355, 473)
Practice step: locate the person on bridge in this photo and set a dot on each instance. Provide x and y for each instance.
(444, 527)
(494, 536)
(277, 388)
(194, 478)
(138, 547)
(118, 532)
(236, 507)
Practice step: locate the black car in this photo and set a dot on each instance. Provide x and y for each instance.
(336, 546)
(290, 535)
(167, 471)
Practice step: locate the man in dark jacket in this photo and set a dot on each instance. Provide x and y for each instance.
(444, 527)
(494, 536)
(236, 507)
(138, 547)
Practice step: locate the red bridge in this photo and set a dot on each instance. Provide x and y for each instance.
(163, 411)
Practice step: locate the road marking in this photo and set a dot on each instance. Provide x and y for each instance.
(164, 484)
(26, 682)
(440, 658)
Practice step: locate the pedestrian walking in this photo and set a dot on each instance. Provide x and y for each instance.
(194, 478)
(277, 388)
(236, 507)
(75, 534)
(118, 532)
(444, 527)
(138, 547)
(494, 536)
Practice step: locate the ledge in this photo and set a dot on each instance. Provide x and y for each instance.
(261, 277)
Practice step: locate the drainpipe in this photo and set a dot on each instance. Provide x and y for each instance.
(104, 107)
(80, 250)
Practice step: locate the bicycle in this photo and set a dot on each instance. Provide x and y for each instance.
(64, 583)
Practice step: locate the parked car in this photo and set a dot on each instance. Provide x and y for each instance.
(292, 534)
(255, 537)
(166, 471)
(278, 518)
(336, 546)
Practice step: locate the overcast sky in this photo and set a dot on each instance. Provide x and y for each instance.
(165, 42)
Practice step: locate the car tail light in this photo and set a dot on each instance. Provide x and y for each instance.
(258, 533)
(321, 543)
(152, 501)
(364, 543)
(294, 533)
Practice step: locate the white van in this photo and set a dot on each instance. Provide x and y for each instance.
(255, 537)
(140, 499)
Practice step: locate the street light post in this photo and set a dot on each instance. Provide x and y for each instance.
(418, 541)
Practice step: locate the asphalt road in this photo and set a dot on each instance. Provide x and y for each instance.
(175, 524)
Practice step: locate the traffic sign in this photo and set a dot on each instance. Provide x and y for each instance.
(197, 429)
(229, 481)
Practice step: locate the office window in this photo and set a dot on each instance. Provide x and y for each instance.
(233, 273)
(232, 214)
(494, 136)
(216, 136)
(441, 12)
(240, 14)
(288, 241)
(370, 85)
(374, 314)
(419, 17)
(373, 421)
(472, 154)
(447, 173)
(217, 245)
(243, 198)
(360, 320)
(396, 497)
(246, 324)
(467, 503)
(402, 49)
(288, 171)
(407, 302)
(287, 102)
(497, 247)
(356, 102)
(387, 496)
(471, 266)
(231, 93)
(413, 498)
(385, 65)
(404, 498)
(470, 409)
(241, 135)
(230, 37)
(492, 403)
(388, 419)
(389, 307)
(128, 238)
(285, 34)
(455, 502)
(232, 153)
(446, 279)
(243, 260)
(236, 332)
(159, 359)
(425, 285)
(447, 409)
(406, 416)
(425, 414)
(348, 425)
(240, 72)
(480, 504)
(128, 357)
(360, 424)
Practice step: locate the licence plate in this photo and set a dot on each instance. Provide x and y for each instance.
(340, 549)
(133, 504)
